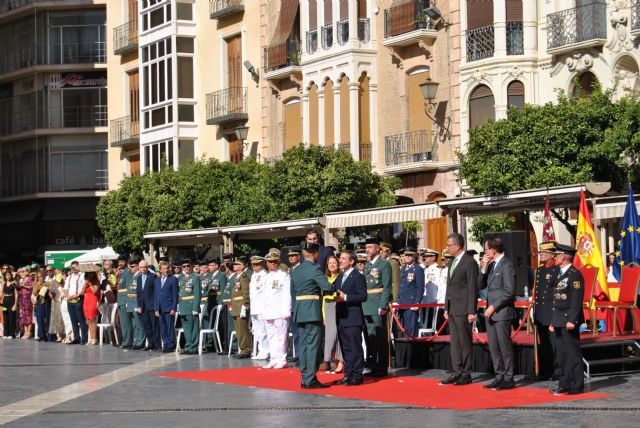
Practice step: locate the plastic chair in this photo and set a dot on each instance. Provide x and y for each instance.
(590, 275)
(213, 325)
(630, 278)
(232, 337)
(179, 333)
(293, 348)
(109, 318)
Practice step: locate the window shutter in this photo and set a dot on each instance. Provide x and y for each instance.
(479, 13)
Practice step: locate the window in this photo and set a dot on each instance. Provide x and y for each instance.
(184, 11)
(185, 152)
(515, 94)
(584, 85)
(156, 85)
(157, 16)
(481, 106)
(185, 113)
(158, 155)
(185, 77)
(184, 44)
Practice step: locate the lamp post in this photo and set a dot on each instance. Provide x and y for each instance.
(241, 132)
(429, 91)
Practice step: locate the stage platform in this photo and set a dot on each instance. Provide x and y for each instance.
(435, 354)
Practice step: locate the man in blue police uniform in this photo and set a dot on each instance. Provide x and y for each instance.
(565, 322)
(411, 291)
(546, 277)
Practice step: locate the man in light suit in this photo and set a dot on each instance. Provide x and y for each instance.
(165, 304)
(351, 287)
(460, 309)
(146, 309)
(498, 276)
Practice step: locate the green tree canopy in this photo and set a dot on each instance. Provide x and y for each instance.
(573, 141)
(307, 182)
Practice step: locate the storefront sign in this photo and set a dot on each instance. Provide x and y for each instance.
(82, 80)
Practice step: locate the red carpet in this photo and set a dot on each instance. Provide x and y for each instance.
(401, 390)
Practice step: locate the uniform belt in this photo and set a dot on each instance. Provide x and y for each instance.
(186, 297)
(308, 297)
(123, 291)
(238, 298)
(202, 299)
(375, 290)
(131, 295)
(226, 300)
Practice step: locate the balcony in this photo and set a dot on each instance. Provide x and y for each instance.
(327, 36)
(125, 38)
(578, 28)
(282, 64)
(312, 41)
(401, 29)
(223, 8)
(53, 118)
(56, 54)
(635, 18)
(123, 132)
(514, 38)
(410, 152)
(227, 105)
(364, 148)
(343, 31)
(480, 43)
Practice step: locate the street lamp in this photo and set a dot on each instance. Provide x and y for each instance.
(241, 133)
(429, 91)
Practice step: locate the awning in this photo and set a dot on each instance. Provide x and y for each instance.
(272, 230)
(402, 17)
(388, 215)
(607, 209)
(185, 237)
(277, 50)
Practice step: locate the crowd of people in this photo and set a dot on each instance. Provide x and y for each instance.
(323, 299)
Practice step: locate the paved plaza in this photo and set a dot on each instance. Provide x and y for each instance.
(52, 385)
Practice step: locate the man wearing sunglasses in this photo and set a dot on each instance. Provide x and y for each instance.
(189, 307)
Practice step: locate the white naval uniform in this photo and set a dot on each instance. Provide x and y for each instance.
(431, 283)
(276, 313)
(256, 299)
(442, 286)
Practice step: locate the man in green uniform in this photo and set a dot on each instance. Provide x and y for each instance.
(205, 286)
(177, 268)
(385, 253)
(240, 308)
(378, 276)
(189, 307)
(124, 284)
(132, 304)
(307, 283)
(227, 291)
(218, 284)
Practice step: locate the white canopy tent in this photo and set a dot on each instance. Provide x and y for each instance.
(94, 256)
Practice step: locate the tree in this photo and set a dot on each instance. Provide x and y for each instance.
(410, 228)
(307, 182)
(490, 223)
(573, 141)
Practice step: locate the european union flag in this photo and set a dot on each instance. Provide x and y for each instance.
(629, 243)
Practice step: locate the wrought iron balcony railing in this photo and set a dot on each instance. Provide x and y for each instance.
(327, 36)
(635, 16)
(480, 43)
(514, 38)
(343, 31)
(312, 41)
(123, 131)
(364, 31)
(292, 59)
(577, 25)
(125, 37)
(409, 148)
(227, 105)
(364, 148)
(53, 118)
(67, 53)
(221, 8)
(395, 24)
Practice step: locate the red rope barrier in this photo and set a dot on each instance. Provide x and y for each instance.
(413, 338)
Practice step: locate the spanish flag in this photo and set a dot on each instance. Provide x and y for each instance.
(588, 250)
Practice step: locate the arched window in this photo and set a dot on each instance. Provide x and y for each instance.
(481, 106)
(515, 94)
(584, 85)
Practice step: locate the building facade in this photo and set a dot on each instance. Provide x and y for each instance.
(53, 125)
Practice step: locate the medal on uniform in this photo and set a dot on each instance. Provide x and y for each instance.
(562, 284)
(375, 273)
(274, 284)
(576, 284)
(410, 277)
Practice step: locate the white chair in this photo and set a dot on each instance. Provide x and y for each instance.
(231, 339)
(108, 317)
(434, 323)
(180, 331)
(213, 326)
(293, 348)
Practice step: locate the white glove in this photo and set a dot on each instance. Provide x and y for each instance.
(382, 311)
(243, 311)
(195, 313)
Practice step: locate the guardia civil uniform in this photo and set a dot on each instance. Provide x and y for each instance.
(125, 285)
(189, 294)
(307, 283)
(240, 313)
(378, 277)
(206, 279)
(134, 317)
(567, 308)
(225, 316)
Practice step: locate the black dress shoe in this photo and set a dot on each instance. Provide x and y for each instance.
(166, 351)
(158, 350)
(137, 348)
(463, 380)
(575, 391)
(450, 380)
(147, 348)
(292, 359)
(353, 382)
(558, 391)
(315, 384)
(506, 384)
(243, 356)
(342, 381)
(493, 385)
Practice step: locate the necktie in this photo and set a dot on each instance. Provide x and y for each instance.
(454, 263)
(144, 279)
(162, 282)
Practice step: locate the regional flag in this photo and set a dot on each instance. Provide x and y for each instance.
(629, 242)
(589, 251)
(547, 228)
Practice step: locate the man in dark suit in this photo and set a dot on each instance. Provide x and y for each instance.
(352, 291)
(313, 237)
(498, 276)
(145, 308)
(565, 322)
(165, 304)
(460, 309)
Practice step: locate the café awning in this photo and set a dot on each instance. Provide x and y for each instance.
(387, 215)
